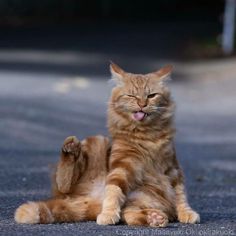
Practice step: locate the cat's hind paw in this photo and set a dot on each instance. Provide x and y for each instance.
(188, 216)
(28, 213)
(156, 218)
(71, 146)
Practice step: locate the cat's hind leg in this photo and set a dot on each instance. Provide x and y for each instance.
(145, 217)
(81, 164)
(58, 210)
(80, 161)
(71, 164)
(150, 205)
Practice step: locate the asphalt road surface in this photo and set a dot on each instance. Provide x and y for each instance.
(39, 108)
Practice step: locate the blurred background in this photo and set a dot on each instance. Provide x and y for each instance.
(54, 72)
(86, 34)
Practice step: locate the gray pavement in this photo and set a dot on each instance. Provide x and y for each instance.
(40, 107)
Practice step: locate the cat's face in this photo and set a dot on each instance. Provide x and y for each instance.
(140, 98)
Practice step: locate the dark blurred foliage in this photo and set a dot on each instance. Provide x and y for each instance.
(195, 24)
(18, 12)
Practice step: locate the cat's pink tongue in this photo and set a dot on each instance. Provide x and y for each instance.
(138, 115)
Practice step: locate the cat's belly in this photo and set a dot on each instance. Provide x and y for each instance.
(94, 188)
(98, 189)
(151, 195)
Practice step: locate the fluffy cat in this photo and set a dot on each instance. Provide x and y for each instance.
(136, 178)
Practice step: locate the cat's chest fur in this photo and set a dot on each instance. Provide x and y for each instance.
(152, 153)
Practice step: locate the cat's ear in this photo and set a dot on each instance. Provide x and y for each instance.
(164, 73)
(117, 73)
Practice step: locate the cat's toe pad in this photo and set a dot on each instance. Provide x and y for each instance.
(188, 216)
(156, 218)
(27, 213)
(72, 146)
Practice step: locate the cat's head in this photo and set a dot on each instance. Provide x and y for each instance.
(140, 98)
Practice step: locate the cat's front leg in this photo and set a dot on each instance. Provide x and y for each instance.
(112, 203)
(124, 173)
(70, 164)
(184, 212)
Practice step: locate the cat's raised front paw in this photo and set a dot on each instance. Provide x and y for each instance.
(108, 219)
(72, 146)
(188, 216)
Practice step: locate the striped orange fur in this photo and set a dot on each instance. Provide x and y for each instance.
(135, 178)
(142, 161)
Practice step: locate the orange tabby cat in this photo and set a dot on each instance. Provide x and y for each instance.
(137, 179)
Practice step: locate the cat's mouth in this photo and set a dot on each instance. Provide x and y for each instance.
(139, 115)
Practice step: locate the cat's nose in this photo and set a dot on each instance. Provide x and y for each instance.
(142, 103)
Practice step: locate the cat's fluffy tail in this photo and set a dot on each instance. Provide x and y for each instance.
(58, 210)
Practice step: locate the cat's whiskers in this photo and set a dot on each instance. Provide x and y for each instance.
(161, 108)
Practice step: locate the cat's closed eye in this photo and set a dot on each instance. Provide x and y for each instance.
(130, 95)
(152, 95)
